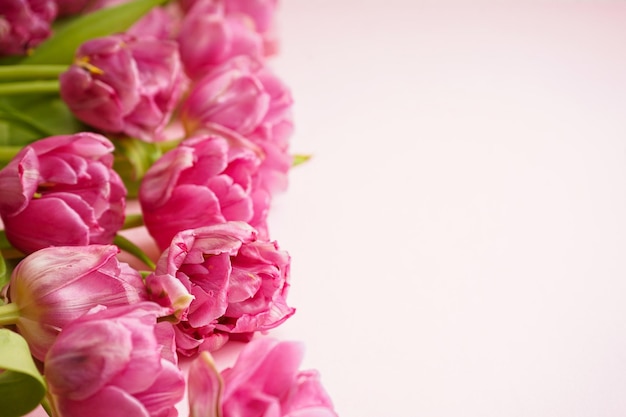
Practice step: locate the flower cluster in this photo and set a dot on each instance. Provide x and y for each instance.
(172, 104)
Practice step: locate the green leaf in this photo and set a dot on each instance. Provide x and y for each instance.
(299, 159)
(22, 387)
(60, 48)
(4, 276)
(133, 157)
(25, 119)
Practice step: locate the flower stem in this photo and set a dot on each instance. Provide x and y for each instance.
(30, 72)
(45, 404)
(29, 87)
(134, 250)
(9, 314)
(132, 221)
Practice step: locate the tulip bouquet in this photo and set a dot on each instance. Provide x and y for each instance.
(165, 117)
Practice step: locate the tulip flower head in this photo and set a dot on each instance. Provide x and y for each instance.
(264, 382)
(125, 84)
(239, 285)
(56, 285)
(24, 24)
(109, 362)
(209, 37)
(245, 96)
(61, 191)
(208, 179)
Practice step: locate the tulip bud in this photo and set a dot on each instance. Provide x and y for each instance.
(61, 191)
(239, 285)
(112, 358)
(125, 84)
(54, 286)
(24, 24)
(264, 381)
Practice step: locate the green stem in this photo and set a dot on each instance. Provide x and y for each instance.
(29, 87)
(9, 314)
(4, 242)
(45, 404)
(30, 72)
(134, 250)
(132, 220)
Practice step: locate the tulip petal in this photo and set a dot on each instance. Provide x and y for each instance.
(109, 402)
(205, 386)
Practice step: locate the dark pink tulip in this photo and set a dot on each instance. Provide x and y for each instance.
(24, 24)
(239, 285)
(60, 191)
(245, 97)
(204, 181)
(209, 37)
(264, 382)
(125, 84)
(54, 286)
(108, 363)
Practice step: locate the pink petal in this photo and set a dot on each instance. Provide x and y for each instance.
(205, 386)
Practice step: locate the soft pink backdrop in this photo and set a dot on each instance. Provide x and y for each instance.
(458, 238)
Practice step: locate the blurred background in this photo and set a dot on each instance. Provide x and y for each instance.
(458, 237)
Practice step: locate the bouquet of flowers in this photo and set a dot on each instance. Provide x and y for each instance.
(153, 115)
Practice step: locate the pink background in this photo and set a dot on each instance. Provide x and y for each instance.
(459, 237)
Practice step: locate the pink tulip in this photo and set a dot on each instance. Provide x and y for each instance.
(125, 84)
(258, 15)
(239, 285)
(60, 191)
(263, 14)
(24, 24)
(204, 181)
(245, 97)
(209, 37)
(264, 382)
(108, 362)
(54, 286)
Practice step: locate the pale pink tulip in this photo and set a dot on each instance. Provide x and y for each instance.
(60, 191)
(108, 363)
(24, 24)
(264, 382)
(125, 84)
(54, 286)
(205, 180)
(239, 285)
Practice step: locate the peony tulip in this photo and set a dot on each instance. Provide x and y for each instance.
(108, 362)
(209, 37)
(125, 84)
(54, 286)
(245, 97)
(209, 180)
(264, 382)
(239, 285)
(60, 191)
(24, 24)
